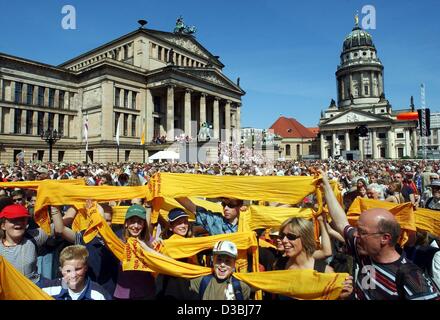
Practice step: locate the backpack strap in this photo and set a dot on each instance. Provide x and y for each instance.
(237, 289)
(204, 284)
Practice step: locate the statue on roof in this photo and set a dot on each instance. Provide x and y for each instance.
(182, 28)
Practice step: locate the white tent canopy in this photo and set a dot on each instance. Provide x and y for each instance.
(165, 155)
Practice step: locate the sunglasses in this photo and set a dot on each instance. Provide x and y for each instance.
(230, 205)
(289, 236)
(18, 200)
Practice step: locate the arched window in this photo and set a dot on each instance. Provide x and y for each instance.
(287, 149)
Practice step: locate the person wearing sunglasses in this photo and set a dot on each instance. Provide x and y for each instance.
(297, 237)
(433, 202)
(216, 222)
(18, 197)
(382, 273)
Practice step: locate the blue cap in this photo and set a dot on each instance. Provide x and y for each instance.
(176, 213)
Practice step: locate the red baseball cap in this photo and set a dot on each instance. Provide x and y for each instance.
(14, 211)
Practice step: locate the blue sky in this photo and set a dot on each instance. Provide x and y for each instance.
(285, 52)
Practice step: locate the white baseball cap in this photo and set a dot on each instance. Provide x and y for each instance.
(225, 247)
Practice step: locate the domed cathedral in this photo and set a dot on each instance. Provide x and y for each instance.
(362, 124)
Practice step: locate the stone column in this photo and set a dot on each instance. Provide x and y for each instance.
(216, 118)
(35, 123)
(323, 154)
(351, 86)
(228, 121)
(407, 143)
(187, 113)
(46, 97)
(374, 143)
(342, 89)
(149, 107)
(2, 93)
(202, 107)
(66, 100)
(8, 125)
(347, 140)
(23, 122)
(361, 147)
(56, 102)
(414, 141)
(170, 113)
(371, 84)
(12, 92)
(129, 125)
(24, 93)
(380, 83)
(55, 121)
(334, 151)
(107, 123)
(391, 143)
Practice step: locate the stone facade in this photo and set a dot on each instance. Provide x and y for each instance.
(164, 83)
(361, 101)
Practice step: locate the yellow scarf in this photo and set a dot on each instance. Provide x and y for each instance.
(35, 184)
(15, 286)
(57, 195)
(403, 213)
(286, 189)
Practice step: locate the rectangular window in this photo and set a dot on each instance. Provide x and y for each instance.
(51, 97)
(366, 90)
(50, 121)
(30, 94)
(117, 96)
(156, 102)
(381, 135)
(41, 96)
(125, 125)
(40, 123)
(133, 126)
(17, 121)
(61, 124)
(127, 155)
(60, 156)
(400, 135)
(341, 137)
(18, 92)
(61, 99)
(159, 53)
(133, 100)
(126, 98)
(29, 121)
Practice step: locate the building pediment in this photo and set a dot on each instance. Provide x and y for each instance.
(185, 43)
(213, 77)
(353, 116)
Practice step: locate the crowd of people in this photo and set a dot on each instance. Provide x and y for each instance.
(67, 268)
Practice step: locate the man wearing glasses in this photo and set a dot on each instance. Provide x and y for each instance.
(433, 202)
(214, 222)
(18, 197)
(381, 272)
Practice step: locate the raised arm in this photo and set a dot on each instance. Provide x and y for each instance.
(60, 229)
(69, 216)
(336, 212)
(326, 245)
(187, 204)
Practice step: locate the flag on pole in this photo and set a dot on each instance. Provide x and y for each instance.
(143, 133)
(117, 130)
(86, 131)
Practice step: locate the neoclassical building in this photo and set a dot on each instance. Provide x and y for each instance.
(164, 82)
(361, 101)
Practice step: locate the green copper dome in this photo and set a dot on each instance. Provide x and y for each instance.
(357, 38)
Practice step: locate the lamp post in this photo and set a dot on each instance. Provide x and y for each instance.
(50, 136)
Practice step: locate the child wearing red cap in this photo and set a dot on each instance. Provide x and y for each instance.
(19, 245)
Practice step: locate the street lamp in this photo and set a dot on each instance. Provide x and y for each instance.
(50, 136)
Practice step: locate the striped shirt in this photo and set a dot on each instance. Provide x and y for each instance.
(377, 281)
